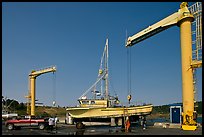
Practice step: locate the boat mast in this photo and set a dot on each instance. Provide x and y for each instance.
(106, 70)
(102, 75)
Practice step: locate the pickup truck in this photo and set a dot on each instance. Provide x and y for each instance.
(29, 121)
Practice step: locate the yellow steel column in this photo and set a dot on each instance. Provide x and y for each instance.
(28, 106)
(187, 72)
(32, 88)
(186, 59)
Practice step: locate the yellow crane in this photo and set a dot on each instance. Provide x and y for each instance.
(32, 78)
(183, 19)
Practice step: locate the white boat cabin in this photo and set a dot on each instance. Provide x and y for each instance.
(93, 103)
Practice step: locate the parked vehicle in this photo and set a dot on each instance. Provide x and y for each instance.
(7, 115)
(26, 121)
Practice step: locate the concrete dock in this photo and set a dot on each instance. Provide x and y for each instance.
(64, 129)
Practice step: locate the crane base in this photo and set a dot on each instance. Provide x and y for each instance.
(188, 127)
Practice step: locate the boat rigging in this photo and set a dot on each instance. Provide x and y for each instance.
(102, 106)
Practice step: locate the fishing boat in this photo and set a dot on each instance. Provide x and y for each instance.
(101, 106)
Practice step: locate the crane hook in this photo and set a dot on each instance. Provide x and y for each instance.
(129, 98)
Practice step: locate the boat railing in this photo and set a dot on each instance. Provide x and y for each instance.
(136, 104)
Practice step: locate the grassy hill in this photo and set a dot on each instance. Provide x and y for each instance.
(164, 109)
(52, 111)
(20, 108)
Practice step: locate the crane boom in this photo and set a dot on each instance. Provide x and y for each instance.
(153, 29)
(182, 19)
(42, 71)
(164, 24)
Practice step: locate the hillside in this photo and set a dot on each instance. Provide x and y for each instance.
(20, 108)
(52, 111)
(164, 109)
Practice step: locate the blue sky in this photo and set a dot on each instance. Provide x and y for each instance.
(72, 36)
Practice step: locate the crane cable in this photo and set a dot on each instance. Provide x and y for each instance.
(54, 89)
(128, 72)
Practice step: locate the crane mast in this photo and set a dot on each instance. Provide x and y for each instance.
(182, 19)
(32, 78)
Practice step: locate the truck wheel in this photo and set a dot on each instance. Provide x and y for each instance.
(41, 126)
(79, 125)
(10, 126)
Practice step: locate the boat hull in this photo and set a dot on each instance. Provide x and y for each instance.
(105, 112)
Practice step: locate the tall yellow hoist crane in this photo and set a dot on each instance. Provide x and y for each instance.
(31, 94)
(183, 19)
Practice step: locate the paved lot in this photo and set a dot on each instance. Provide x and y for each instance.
(64, 129)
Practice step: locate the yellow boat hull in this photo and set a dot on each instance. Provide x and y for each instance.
(104, 112)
